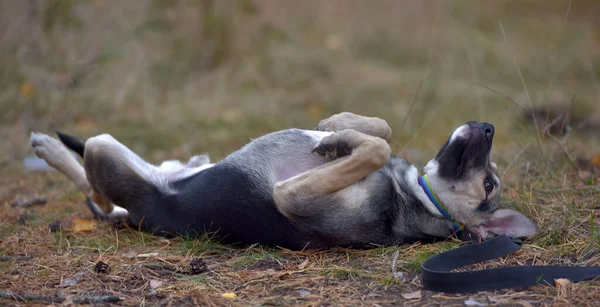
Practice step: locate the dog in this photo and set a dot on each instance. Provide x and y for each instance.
(337, 185)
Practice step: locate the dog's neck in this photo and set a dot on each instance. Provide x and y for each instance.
(412, 180)
(439, 205)
(421, 189)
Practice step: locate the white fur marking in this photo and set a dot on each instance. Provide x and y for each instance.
(118, 210)
(171, 166)
(460, 132)
(432, 166)
(412, 177)
(187, 172)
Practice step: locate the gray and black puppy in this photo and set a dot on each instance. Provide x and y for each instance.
(338, 185)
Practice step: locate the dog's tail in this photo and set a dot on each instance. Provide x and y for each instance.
(72, 143)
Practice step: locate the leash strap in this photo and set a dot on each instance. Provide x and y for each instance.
(436, 272)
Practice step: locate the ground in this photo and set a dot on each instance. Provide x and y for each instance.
(186, 78)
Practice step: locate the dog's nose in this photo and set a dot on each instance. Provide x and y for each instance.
(488, 130)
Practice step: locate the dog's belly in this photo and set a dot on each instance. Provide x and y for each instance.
(296, 164)
(298, 160)
(279, 155)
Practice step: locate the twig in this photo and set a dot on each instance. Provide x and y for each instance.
(504, 96)
(11, 258)
(394, 262)
(414, 102)
(82, 299)
(514, 58)
(564, 30)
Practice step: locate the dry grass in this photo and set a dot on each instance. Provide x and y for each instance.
(173, 80)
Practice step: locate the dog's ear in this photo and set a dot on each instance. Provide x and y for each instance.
(510, 223)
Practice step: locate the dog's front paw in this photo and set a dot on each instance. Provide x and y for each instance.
(337, 145)
(368, 125)
(338, 122)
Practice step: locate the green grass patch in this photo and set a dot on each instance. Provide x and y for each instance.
(197, 279)
(389, 280)
(255, 255)
(199, 244)
(381, 251)
(7, 230)
(343, 273)
(414, 262)
(553, 238)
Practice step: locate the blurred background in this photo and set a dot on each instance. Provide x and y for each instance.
(175, 78)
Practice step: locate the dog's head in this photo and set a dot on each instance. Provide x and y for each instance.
(467, 182)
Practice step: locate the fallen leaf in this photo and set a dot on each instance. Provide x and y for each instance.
(229, 295)
(596, 160)
(82, 225)
(412, 295)
(26, 89)
(155, 284)
(562, 283)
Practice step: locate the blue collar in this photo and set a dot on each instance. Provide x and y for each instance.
(424, 183)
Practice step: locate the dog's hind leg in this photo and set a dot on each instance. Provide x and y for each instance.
(125, 179)
(358, 155)
(368, 125)
(118, 174)
(60, 158)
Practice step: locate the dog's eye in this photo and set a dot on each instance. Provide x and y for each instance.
(487, 185)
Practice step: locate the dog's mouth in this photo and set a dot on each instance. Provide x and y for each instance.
(467, 148)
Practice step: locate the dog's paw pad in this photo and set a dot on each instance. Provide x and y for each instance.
(332, 148)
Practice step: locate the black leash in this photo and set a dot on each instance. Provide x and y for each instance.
(436, 272)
